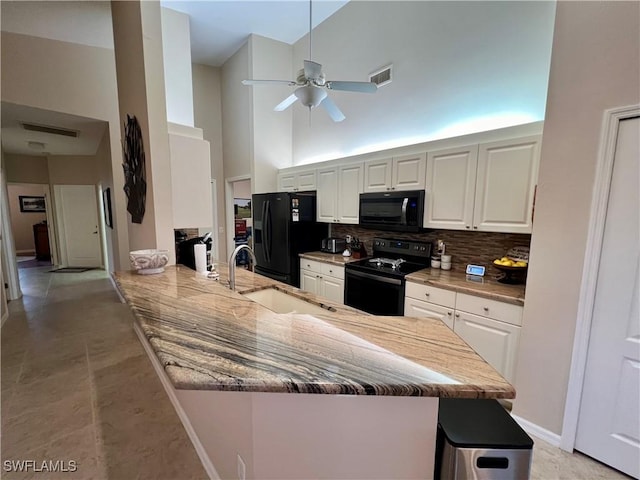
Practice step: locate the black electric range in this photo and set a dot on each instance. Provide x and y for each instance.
(377, 285)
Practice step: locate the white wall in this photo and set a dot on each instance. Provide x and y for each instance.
(271, 131)
(176, 49)
(79, 80)
(595, 66)
(207, 106)
(22, 222)
(459, 67)
(237, 115)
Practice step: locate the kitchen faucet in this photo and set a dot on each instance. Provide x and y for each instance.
(232, 263)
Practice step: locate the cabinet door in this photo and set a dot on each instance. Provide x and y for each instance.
(333, 289)
(307, 181)
(286, 182)
(505, 186)
(349, 189)
(496, 342)
(309, 281)
(327, 196)
(409, 172)
(450, 189)
(377, 175)
(418, 308)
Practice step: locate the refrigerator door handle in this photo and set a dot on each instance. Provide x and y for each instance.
(267, 231)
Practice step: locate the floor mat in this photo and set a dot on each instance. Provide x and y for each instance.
(71, 270)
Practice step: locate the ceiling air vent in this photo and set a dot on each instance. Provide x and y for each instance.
(34, 127)
(381, 77)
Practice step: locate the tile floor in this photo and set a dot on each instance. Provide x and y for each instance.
(76, 385)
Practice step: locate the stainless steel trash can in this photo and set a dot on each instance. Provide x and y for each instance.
(478, 439)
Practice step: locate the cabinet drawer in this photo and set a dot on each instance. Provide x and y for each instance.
(505, 312)
(418, 308)
(431, 294)
(311, 265)
(333, 270)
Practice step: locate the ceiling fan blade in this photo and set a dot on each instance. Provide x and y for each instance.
(332, 109)
(361, 87)
(286, 103)
(312, 70)
(269, 82)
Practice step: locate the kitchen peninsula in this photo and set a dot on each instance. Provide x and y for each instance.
(267, 395)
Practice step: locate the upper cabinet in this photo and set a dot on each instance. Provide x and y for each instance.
(488, 187)
(338, 197)
(405, 172)
(299, 181)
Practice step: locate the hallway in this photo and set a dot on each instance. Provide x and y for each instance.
(77, 386)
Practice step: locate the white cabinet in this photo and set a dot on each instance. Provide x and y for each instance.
(496, 342)
(322, 279)
(297, 181)
(490, 327)
(451, 188)
(338, 197)
(488, 187)
(406, 172)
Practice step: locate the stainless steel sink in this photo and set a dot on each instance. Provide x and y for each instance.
(281, 302)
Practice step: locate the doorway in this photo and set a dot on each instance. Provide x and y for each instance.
(237, 198)
(603, 404)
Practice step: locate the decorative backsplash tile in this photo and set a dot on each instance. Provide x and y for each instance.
(479, 248)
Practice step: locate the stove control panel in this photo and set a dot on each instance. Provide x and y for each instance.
(402, 247)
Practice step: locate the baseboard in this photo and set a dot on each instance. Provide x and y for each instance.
(186, 423)
(26, 253)
(4, 317)
(537, 431)
(115, 287)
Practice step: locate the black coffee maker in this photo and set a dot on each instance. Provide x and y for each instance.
(184, 250)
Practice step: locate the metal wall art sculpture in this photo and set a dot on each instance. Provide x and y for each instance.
(135, 184)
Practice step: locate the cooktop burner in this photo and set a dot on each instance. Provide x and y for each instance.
(395, 258)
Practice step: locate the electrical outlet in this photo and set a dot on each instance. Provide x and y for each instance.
(242, 470)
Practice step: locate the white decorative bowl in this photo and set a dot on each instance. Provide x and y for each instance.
(149, 261)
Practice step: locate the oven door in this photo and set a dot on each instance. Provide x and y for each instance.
(373, 293)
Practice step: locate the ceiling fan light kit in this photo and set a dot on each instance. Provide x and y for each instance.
(312, 86)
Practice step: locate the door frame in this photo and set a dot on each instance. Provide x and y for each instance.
(229, 214)
(599, 202)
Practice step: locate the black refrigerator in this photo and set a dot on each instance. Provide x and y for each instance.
(284, 225)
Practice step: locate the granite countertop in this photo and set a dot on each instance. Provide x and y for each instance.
(210, 338)
(332, 258)
(486, 287)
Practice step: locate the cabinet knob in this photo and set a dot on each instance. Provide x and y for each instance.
(449, 313)
(475, 227)
(467, 226)
(427, 294)
(457, 315)
(486, 309)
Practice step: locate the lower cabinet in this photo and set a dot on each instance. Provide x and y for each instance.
(322, 279)
(490, 327)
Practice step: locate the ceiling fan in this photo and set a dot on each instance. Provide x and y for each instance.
(312, 86)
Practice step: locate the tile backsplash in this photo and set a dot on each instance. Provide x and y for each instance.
(479, 248)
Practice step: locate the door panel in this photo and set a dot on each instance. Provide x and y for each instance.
(609, 423)
(327, 197)
(418, 308)
(409, 172)
(350, 186)
(377, 176)
(333, 289)
(78, 209)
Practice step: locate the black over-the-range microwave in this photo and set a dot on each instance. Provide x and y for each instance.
(396, 211)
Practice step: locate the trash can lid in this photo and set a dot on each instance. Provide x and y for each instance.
(480, 423)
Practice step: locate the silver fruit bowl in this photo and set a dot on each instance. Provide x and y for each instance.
(149, 261)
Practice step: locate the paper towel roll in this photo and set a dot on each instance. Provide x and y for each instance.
(200, 255)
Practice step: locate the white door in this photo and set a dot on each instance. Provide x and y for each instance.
(409, 172)
(451, 188)
(327, 196)
(609, 419)
(307, 180)
(505, 186)
(77, 210)
(309, 281)
(377, 175)
(350, 186)
(333, 289)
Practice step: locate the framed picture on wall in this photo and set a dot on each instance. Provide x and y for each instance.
(31, 204)
(106, 201)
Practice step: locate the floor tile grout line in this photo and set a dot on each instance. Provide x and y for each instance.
(94, 412)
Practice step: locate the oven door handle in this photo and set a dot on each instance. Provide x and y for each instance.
(377, 278)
